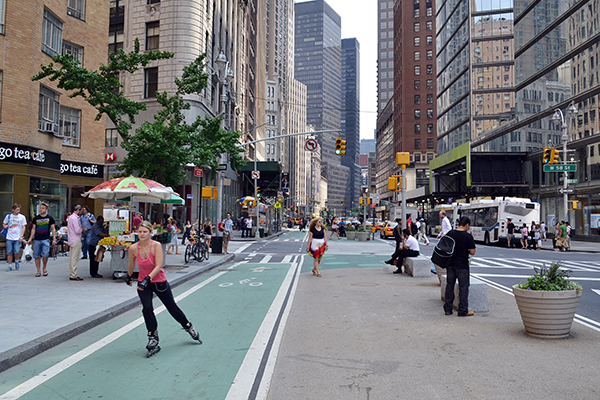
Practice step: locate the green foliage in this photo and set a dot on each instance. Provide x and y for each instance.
(551, 279)
(101, 89)
(350, 228)
(362, 228)
(161, 149)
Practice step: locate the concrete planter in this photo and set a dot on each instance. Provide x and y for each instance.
(362, 236)
(547, 314)
(350, 235)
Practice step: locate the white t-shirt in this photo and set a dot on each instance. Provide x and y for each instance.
(248, 223)
(446, 226)
(412, 243)
(15, 225)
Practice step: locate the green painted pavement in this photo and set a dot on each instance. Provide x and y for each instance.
(227, 312)
(336, 261)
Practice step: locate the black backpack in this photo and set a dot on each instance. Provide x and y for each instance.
(443, 251)
(413, 228)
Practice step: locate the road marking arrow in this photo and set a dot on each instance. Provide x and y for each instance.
(596, 291)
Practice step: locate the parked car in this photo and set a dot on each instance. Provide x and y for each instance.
(388, 230)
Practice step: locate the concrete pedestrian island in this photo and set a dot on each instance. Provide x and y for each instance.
(477, 294)
(419, 266)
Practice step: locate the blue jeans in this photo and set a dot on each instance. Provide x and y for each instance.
(41, 248)
(13, 247)
(85, 238)
(463, 289)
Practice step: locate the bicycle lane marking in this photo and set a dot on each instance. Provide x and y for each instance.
(120, 352)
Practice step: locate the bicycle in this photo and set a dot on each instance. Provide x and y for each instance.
(196, 250)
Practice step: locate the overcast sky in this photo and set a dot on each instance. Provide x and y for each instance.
(359, 20)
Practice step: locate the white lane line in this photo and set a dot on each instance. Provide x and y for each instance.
(244, 247)
(56, 369)
(265, 259)
(244, 379)
(252, 255)
(286, 240)
(287, 258)
(276, 240)
(296, 240)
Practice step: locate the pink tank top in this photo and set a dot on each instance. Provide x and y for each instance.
(146, 265)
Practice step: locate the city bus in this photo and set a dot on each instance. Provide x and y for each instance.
(434, 223)
(489, 218)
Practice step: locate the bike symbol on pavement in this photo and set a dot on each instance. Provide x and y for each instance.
(243, 282)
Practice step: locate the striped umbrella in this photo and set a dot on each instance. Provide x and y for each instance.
(129, 186)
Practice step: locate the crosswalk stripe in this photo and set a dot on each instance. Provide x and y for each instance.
(265, 259)
(287, 258)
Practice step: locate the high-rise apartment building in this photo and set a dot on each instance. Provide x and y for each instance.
(385, 53)
(351, 116)
(317, 64)
(60, 154)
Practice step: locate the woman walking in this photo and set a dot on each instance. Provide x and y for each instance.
(334, 228)
(187, 233)
(172, 227)
(207, 230)
(152, 279)
(524, 235)
(317, 243)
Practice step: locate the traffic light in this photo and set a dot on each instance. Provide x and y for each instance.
(392, 184)
(368, 200)
(403, 158)
(554, 156)
(342, 202)
(547, 154)
(361, 201)
(574, 205)
(258, 192)
(340, 146)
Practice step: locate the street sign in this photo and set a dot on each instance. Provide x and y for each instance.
(277, 205)
(198, 172)
(255, 174)
(572, 180)
(373, 205)
(374, 198)
(222, 167)
(189, 196)
(310, 144)
(567, 191)
(560, 167)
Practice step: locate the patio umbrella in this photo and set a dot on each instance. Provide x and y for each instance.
(174, 199)
(247, 199)
(129, 186)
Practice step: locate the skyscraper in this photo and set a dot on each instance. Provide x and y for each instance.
(317, 64)
(385, 53)
(351, 115)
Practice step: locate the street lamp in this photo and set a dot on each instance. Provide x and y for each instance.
(560, 117)
(225, 76)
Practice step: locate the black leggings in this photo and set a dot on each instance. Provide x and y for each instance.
(163, 291)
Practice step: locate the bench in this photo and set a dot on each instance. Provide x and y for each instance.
(477, 294)
(419, 266)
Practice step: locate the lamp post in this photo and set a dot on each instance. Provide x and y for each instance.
(225, 76)
(560, 117)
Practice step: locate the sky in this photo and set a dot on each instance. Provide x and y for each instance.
(359, 20)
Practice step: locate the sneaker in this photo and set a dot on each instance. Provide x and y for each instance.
(178, 253)
(469, 314)
(17, 265)
(9, 268)
(168, 252)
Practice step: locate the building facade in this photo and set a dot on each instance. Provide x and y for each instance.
(57, 156)
(385, 53)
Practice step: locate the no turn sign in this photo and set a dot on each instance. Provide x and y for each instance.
(310, 145)
(255, 174)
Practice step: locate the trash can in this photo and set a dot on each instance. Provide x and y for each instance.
(216, 244)
(261, 232)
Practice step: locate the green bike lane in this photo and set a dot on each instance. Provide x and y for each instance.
(237, 311)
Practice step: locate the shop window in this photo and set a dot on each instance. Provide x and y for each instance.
(76, 8)
(70, 126)
(51, 34)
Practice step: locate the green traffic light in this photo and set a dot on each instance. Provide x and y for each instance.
(338, 152)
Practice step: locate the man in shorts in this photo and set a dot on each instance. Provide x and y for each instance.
(43, 225)
(227, 232)
(16, 223)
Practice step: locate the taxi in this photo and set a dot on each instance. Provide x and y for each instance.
(387, 231)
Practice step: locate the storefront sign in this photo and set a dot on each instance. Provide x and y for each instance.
(28, 155)
(81, 169)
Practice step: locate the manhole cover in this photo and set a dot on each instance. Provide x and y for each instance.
(175, 267)
(364, 284)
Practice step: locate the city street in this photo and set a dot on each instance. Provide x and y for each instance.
(273, 330)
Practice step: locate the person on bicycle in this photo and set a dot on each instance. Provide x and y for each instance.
(207, 230)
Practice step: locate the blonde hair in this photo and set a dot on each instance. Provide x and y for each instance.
(147, 225)
(314, 222)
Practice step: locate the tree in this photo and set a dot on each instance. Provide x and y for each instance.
(161, 149)
(101, 89)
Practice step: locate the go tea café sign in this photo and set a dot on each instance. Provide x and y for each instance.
(15, 153)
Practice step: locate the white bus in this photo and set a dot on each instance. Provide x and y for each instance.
(489, 218)
(434, 223)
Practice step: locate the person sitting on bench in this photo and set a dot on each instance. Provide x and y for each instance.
(410, 248)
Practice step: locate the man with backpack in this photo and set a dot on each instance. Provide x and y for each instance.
(458, 268)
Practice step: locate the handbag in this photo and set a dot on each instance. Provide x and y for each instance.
(4, 231)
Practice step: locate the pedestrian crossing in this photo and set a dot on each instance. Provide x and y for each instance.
(528, 264)
(287, 240)
(269, 258)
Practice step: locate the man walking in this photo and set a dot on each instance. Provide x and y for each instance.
(74, 240)
(16, 223)
(459, 268)
(562, 236)
(227, 232)
(568, 238)
(43, 228)
(87, 220)
(510, 228)
(420, 231)
(446, 225)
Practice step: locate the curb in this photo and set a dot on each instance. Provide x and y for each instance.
(21, 353)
